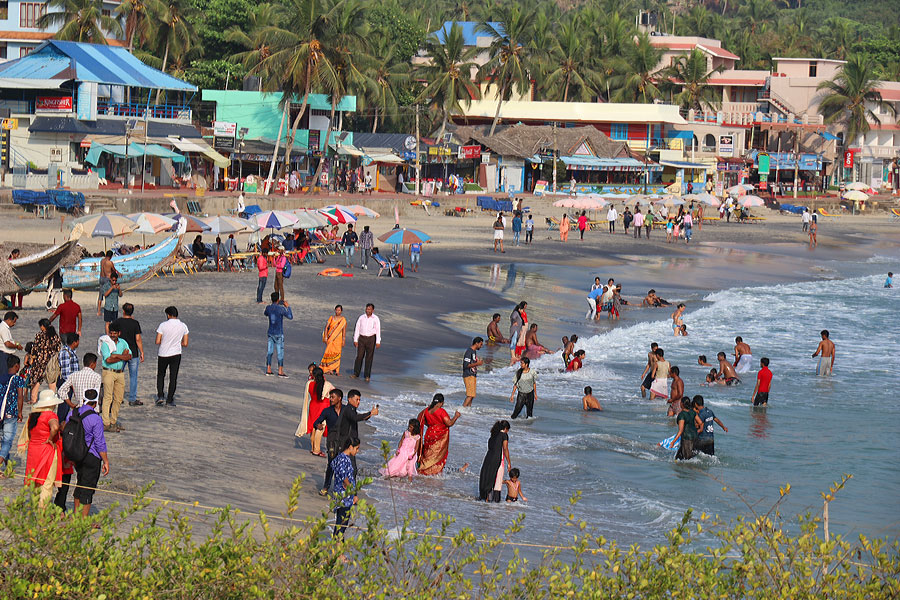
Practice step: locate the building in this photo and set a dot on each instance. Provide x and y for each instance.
(19, 33)
(64, 97)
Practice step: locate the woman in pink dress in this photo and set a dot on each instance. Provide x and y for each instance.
(404, 461)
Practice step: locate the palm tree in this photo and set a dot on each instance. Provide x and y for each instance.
(139, 17)
(385, 75)
(541, 46)
(571, 58)
(252, 35)
(756, 13)
(851, 96)
(838, 35)
(508, 66)
(636, 80)
(173, 31)
(689, 73)
(697, 22)
(79, 21)
(448, 75)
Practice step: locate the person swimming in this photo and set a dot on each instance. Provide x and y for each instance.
(588, 402)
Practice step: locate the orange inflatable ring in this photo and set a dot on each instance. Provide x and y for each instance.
(331, 273)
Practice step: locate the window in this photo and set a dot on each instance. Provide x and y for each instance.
(4, 10)
(25, 50)
(709, 143)
(619, 131)
(813, 68)
(106, 12)
(3, 50)
(30, 13)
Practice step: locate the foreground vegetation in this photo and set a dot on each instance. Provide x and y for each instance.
(139, 551)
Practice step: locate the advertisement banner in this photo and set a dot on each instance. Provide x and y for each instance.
(469, 152)
(726, 145)
(87, 101)
(540, 187)
(848, 159)
(224, 129)
(763, 161)
(53, 104)
(223, 143)
(439, 151)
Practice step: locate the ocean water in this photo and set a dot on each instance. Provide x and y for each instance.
(813, 431)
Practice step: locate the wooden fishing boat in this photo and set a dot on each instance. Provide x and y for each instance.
(32, 270)
(85, 274)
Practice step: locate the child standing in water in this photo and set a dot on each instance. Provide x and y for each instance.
(514, 487)
(404, 461)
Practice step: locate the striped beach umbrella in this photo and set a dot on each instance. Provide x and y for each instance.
(107, 225)
(340, 213)
(274, 219)
(192, 224)
(404, 236)
(751, 200)
(150, 223)
(362, 211)
(224, 224)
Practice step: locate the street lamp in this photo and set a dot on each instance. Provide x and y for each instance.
(130, 124)
(241, 133)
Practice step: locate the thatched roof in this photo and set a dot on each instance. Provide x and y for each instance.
(7, 280)
(524, 141)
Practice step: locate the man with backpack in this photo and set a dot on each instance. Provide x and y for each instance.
(85, 445)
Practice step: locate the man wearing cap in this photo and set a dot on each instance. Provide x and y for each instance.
(115, 353)
(280, 261)
(80, 381)
(96, 461)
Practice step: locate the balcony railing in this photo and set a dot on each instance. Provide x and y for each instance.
(153, 111)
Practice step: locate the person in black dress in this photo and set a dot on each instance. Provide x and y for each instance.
(490, 481)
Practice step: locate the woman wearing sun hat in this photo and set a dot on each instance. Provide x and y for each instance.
(40, 440)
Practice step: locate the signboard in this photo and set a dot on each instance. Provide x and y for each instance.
(720, 189)
(84, 144)
(540, 187)
(53, 104)
(848, 159)
(468, 152)
(56, 155)
(722, 166)
(409, 143)
(408, 156)
(763, 162)
(726, 145)
(223, 143)
(87, 101)
(763, 186)
(439, 151)
(9, 124)
(223, 129)
(485, 158)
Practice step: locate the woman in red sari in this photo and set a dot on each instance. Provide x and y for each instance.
(40, 439)
(315, 400)
(436, 441)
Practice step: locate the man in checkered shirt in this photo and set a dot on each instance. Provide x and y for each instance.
(68, 364)
(79, 381)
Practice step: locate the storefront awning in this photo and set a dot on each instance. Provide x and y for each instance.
(592, 163)
(390, 159)
(200, 147)
(134, 150)
(684, 165)
(347, 150)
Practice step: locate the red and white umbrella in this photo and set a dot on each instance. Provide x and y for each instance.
(274, 219)
(340, 213)
(751, 200)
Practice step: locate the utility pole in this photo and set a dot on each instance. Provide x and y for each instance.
(555, 157)
(418, 165)
(796, 161)
(287, 108)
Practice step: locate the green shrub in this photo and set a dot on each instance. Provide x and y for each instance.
(136, 551)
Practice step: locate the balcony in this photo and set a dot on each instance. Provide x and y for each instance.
(141, 111)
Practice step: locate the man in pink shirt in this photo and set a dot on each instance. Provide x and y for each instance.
(262, 263)
(279, 262)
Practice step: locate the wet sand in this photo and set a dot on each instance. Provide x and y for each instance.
(230, 439)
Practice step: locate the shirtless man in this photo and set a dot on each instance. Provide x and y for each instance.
(677, 320)
(588, 402)
(106, 269)
(647, 374)
(676, 393)
(701, 360)
(654, 301)
(494, 335)
(531, 340)
(742, 355)
(825, 352)
(726, 371)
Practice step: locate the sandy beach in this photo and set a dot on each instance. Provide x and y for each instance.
(230, 438)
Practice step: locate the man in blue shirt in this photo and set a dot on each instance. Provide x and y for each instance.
(889, 282)
(68, 364)
(517, 227)
(344, 485)
(115, 353)
(706, 440)
(12, 397)
(276, 312)
(592, 298)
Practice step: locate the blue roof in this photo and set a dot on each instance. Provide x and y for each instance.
(97, 63)
(470, 36)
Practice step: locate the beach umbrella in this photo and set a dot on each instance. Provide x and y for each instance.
(706, 198)
(739, 189)
(340, 213)
(674, 188)
(567, 202)
(107, 225)
(669, 202)
(857, 185)
(192, 224)
(593, 203)
(404, 236)
(751, 200)
(855, 195)
(225, 224)
(313, 217)
(691, 197)
(362, 211)
(274, 219)
(151, 223)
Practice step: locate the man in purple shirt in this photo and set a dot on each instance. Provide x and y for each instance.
(96, 461)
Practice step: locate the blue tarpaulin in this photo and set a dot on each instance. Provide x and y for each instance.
(63, 199)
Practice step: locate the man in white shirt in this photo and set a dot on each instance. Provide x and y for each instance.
(366, 337)
(171, 337)
(611, 216)
(805, 218)
(7, 344)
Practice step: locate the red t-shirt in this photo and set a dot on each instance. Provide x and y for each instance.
(764, 377)
(68, 313)
(582, 222)
(574, 364)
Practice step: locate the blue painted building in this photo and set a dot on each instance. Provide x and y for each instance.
(19, 31)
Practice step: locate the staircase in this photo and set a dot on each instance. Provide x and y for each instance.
(100, 204)
(779, 103)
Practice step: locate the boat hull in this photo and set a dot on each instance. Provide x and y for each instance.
(33, 270)
(85, 275)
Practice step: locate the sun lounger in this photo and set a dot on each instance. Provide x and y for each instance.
(895, 214)
(828, 215)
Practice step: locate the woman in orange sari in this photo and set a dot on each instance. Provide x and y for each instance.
(564, 226)
(40, 440)
(436, 441)
(334, 336)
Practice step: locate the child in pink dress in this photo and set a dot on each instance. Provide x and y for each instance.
(404, 461)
